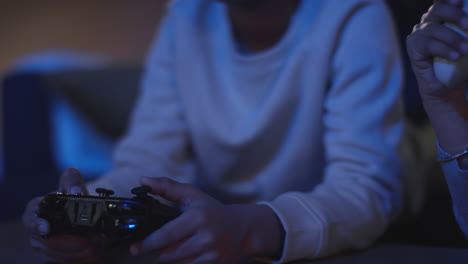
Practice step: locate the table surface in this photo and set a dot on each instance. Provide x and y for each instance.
(14, 248)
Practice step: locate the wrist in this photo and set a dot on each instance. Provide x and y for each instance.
(455, 98)
(449, 120)
(265, 233)
(442, 108)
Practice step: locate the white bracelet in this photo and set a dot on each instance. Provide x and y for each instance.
(455, 156)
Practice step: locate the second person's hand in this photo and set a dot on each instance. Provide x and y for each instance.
(431, 38)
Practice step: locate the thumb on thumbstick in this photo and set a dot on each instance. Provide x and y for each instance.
(72, 182)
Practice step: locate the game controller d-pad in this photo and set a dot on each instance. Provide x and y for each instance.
(115, 218)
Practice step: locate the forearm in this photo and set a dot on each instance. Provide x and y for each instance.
(333, 219)
(449, 117)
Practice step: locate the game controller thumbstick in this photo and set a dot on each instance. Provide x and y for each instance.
(104, 192)
(452, 73)
(142, 191)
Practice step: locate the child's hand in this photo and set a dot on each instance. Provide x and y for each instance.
(63, 248)
(209, 231)
(431, 38)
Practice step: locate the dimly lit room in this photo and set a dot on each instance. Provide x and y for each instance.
(234, 131)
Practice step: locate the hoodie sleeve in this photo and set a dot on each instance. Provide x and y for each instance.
(361, 192)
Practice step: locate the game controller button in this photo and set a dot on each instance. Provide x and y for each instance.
(124, 208)
(104, 192)
(130, 226)
(126, 224)
(142, 191)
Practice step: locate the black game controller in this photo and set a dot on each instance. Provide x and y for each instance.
(114, 218)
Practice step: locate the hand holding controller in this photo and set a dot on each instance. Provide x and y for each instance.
(114, 218)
